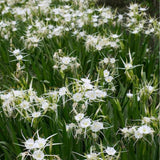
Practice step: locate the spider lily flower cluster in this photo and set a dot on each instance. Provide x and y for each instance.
(141, 131)
(145, 91)
(19, 55)
(137, 132)
(108, 72)
(87, 92)
(105, 153)
(99, 42)
(137, 20)
(31, 106)
(66, 18)
(7, 28)
(84, 125)
(35, 147)
(27, 104)
(63, 62)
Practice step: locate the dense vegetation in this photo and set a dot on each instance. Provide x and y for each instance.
(78, 81)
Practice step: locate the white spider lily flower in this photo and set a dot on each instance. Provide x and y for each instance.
(62, 91)
(129, 65)
(106, 73)
(55, 67)
(29, 144)
(84, 123)
(147, 32)
(132, 130)
(25, 105)
(40, 143)
(106, 60)
(77, 97)
(113, 44)
(19, 57)
(129, 95)
(99, 47)
(100, 94)
(125, 131)
(92, 156)
(108, 79)
(66, 60)
(79, 131)
(133, 6)
(86, 80)
(120, 17)
(91, 95)
(45, 105)
(138, 135)
(145, 129)
(79, 117)
(110, 151)
(63, 67)
(36, 114)
(38, 155)
(150, 88)
(87, 86)
(112, 60)
(146, 120)
(5, 97)
(97, 126)
(18, 93)
(16, 52)
(70, 126)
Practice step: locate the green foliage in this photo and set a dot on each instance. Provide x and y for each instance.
(116, 110)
